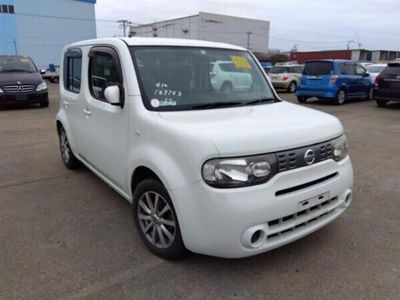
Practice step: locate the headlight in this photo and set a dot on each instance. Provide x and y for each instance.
(340, 147)
(238, 172)
(1, 91)
(41, 87)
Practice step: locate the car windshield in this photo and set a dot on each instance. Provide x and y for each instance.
(185, 78)
(375, 69)
(315, 68)
(16, 64)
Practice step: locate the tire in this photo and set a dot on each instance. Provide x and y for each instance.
(381, 103)
(341, 97)
(292, 87)
(156, 220)
(44, 103)
(68, 158)
(370, 95)
(227, 87)
(301, 99)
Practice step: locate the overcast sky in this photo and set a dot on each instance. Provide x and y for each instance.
(310, 24)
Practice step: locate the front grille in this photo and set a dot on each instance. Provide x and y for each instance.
(290, 224)
(23, 88)
(292, 159)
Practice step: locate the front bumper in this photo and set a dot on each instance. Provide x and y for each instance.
(217, 222)
(24, 98)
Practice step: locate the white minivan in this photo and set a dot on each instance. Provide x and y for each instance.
(223, 172)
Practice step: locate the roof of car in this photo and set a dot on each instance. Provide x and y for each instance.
(14, 56)
(142, 41)
(330, 60)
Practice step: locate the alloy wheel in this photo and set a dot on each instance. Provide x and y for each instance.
(156, 220)
(64, 145)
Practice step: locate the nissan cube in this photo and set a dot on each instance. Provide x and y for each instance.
(228, 172)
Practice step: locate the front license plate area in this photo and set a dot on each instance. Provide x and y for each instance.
(21, 97)
(305, 204)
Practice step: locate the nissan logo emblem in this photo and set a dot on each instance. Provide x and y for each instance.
(309, 157)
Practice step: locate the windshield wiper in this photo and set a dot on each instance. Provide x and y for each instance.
(216, 105)
(260, 101)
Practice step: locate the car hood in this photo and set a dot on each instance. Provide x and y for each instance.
(25, 78)
(257, 129)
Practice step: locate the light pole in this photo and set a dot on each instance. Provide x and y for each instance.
(248, 39)
(124, 24)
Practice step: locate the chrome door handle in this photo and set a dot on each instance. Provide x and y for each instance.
(66, 104)
(87, 112)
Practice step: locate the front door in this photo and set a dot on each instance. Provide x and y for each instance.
(105, 126)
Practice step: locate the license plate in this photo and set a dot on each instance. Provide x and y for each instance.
(21, 97)
(305, 204)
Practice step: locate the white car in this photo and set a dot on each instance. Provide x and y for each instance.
(374, 70)
(223, 174)
(226, 77)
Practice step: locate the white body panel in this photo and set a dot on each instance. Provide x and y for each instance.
(114, 141)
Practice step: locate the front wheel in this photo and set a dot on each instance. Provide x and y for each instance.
(341, 97)
(156, 220)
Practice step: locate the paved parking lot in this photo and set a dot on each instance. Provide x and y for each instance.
(67, 235)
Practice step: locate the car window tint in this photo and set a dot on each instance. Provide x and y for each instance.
(348, 68)
(72, 73)
(318, 68)
(391, 70)
(103, 72)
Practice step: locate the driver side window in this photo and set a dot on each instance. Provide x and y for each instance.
(360, 70)
(104, 71)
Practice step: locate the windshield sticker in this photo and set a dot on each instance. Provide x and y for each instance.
(24, 60)
(155, 103)
(240, 62)
(168, 102)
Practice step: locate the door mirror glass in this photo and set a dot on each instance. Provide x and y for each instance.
(111, 93)
(42, 71)
(366, 74)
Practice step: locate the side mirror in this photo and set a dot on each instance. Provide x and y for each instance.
(366, 74)
(42, 72)
(111, 94)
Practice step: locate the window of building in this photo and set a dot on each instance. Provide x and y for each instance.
(11, 9)
(104, 71)
(73, 70)
(4, 9)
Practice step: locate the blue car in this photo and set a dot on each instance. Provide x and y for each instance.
(336, 80)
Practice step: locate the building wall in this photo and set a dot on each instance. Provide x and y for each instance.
(301, 57)
(8, 29)
(211, 27)
(44, 27)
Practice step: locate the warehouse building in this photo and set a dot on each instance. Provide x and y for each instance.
(41, 28)
(248, 33)
(355, 54)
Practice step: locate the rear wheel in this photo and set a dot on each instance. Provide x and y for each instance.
(69, 159)
(156, 220)
(227, 87)
(301, 99)
(292, 87)
(370, 95)
(381, 103)
(341, 97)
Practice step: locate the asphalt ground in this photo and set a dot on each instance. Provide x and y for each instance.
(67, 235)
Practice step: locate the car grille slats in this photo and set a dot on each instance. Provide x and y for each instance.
(292, 159)
(23, 88)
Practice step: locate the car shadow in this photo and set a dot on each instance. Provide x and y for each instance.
(18, 106)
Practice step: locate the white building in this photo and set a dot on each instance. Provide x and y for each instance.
(248, 33)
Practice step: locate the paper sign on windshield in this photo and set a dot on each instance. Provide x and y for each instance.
(240, 62)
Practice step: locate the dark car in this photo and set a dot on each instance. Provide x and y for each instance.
(336, 80)
(21, 82)
(387, 84)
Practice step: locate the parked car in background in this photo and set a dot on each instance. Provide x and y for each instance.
(21, 82)
(286, 76)
(374, 70)
(52, 73)
(336, 80)
(224, 174)
(226, 77)
(387, 84)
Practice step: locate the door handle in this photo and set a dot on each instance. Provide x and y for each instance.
(87, 112)
(66, 104)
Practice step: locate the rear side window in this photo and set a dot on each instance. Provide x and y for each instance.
(391, 70)
(73, 70)
(348, 68)
(104, 71)
(318, 68)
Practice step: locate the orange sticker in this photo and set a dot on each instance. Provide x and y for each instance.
(240, 62)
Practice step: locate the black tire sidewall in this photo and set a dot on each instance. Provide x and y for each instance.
(337, 96)
(177, 249)
(293, 83)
